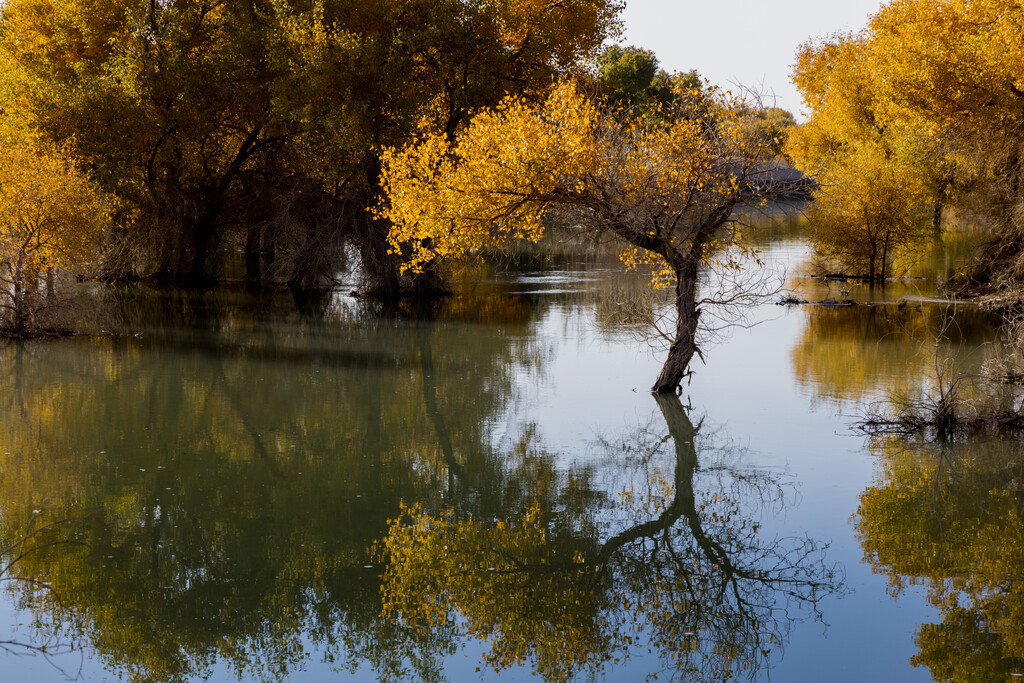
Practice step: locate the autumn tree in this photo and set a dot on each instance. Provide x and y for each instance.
(866, 214)
(869, 208)
(940, 82)
(169, 104)
(668, 191)
(52, 220)
(968, 100)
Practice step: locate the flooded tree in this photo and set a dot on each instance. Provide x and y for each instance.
(667, 191)
(258, 127)
(870, 208)
(52, 221)
(925, 90)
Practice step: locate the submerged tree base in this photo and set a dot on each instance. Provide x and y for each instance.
(950, 415)
(944, 427)
(33, 333)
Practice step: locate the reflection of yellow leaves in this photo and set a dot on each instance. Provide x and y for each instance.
(527, 594)
(949, 517)
(858, 352)
(234, 486)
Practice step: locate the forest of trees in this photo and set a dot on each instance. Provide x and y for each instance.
(259, 126)
(188, 131)
(183, 141)
(158, 140)
(912, 117)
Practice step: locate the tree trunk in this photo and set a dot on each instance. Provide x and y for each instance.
(885, 260)
(19, 307)
(937, 210)
(253, 264)
(685, 345)
(200, 272)
(429, 282)
(682, 434)
(380, 269)
(188, 255)
(51, 289)
(19, 297)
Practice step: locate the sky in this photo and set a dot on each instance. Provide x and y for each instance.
(750, 43)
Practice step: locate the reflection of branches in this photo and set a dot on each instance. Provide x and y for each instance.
(730, 589)
(697, 580)
(234, 400)
(33, 542)
(427, 371)
(957, 402)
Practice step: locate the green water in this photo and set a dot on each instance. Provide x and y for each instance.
(483, 487)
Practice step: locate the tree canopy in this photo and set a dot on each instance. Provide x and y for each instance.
(210, 119)
(52, 219)
(630, 77)
(869, 205)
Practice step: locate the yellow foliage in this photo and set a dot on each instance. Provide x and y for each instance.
(496, 184)
(665, 186)
(875, 179)
(867, 212)
(654, 186)
(935, 87)
(51, 218)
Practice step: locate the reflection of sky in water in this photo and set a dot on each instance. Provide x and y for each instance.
(592, 384)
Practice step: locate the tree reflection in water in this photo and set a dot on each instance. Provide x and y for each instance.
(228, 477)
(693, 577)
(950, 517)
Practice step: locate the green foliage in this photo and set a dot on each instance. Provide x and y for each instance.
(629, 77)
(771, 125)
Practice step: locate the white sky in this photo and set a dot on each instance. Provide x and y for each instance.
(747, 42)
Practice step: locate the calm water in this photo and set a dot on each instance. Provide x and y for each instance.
(238, 491)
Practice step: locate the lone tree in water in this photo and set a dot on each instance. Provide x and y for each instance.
(667, 186)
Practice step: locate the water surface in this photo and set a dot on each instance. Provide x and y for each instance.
(484, 487)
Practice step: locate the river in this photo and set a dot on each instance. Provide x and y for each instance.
(484, 487)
